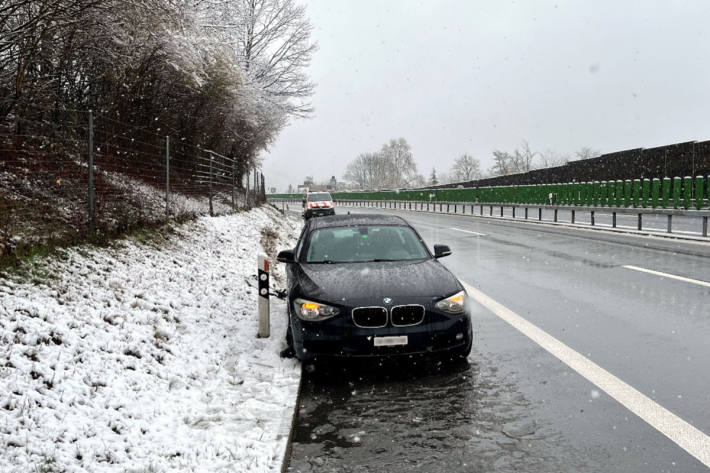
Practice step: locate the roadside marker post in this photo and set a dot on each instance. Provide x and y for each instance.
(264, 309)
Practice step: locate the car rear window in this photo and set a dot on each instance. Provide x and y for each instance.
(364, 243)
(319, 197)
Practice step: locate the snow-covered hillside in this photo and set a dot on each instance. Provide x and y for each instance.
(143, 357)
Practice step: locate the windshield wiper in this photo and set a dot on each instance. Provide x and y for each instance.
(384, 260)
(327, 261)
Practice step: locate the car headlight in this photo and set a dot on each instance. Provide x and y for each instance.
(313, 311)
(453, 304)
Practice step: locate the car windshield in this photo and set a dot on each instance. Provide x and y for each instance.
(319, 197)
(364, 243)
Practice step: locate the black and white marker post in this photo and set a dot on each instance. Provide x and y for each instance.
(264, 321)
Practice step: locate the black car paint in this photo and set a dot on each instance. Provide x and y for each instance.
(350, 285)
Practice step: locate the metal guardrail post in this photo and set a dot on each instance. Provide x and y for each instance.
(613, 220)
(705, 226)
(501, 210)
(555, 215)
(91, 173)
(210, 190)
(572, 218)
(670, 223)
(640, 222)
(167, 176)
(234, 183)
(526, 213)
(591, 217)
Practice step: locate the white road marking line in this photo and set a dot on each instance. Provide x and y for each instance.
(687, 437)
(467, 231)
(666, 275)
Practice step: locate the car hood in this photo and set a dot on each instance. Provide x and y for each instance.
(358, 283)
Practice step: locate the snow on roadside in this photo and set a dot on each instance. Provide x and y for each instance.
(143, 357)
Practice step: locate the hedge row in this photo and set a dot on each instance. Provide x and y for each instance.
(677, 193)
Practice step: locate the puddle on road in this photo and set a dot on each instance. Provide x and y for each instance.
(421, 417)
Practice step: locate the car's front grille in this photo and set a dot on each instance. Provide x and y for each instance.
(370, 317)
(404, 315)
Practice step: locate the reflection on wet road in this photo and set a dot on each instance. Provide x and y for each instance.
(421, 416)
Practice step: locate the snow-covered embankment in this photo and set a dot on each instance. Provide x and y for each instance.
(143, 356)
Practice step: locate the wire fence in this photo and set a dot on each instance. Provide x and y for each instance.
(69, 175)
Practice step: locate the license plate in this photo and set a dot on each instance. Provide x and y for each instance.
(391, 341)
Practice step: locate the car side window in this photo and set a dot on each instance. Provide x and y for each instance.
(301, 240)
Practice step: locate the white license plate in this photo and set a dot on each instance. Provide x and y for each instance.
(391, 341)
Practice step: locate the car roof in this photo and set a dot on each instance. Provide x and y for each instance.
(356, 220)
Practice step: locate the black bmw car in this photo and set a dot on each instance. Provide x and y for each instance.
(367, 286)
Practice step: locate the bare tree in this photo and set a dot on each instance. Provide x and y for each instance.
(522, 158)
(362, 170)
(587, 153)
(397, 154)
(466, 168)
(502, 163)
(392, 167)
(419, 181)
(550, 158)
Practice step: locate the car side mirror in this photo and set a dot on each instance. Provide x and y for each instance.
(441, 250)
(286, 256)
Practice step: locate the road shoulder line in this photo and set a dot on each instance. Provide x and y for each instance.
(467, 231)
(668, 275)
(683, 434)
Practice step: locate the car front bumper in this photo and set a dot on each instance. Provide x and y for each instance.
(319, 212)
(342, 339)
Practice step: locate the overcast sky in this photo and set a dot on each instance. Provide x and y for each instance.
(455, 77)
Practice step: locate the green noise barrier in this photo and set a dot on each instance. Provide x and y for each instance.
(664, 193)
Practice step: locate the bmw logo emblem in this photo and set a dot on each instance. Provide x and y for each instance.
(387, 300)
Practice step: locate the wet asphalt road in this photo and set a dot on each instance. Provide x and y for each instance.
(513, 406)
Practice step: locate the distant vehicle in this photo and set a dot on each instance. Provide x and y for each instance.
(367, 286)
(318, 204)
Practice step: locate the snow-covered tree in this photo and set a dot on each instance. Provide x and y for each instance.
(433, 180)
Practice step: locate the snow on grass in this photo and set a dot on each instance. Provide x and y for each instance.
(143, 357)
